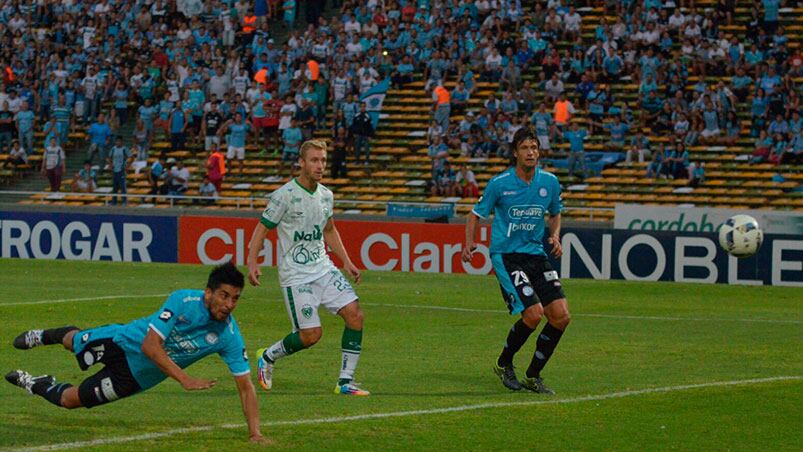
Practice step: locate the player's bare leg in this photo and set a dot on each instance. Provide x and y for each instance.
(351, 346)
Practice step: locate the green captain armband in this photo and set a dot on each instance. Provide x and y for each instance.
(267, 223)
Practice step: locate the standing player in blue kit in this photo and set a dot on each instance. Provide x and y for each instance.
(520, 198)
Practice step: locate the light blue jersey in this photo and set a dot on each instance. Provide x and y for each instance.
(237, 134)
(519, 208)
(190, 334)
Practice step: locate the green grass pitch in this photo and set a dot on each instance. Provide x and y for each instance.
(430, 369)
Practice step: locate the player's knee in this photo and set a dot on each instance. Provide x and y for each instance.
(70, 399)
(311, 336)
(562, 322)
(532, 315)
(355, 319)
(67, 340)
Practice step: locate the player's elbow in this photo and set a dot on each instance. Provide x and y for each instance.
(150, 345)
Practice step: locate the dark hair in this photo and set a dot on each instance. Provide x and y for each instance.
(525, 133)
(225, 274)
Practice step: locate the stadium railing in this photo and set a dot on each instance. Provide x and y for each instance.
(238, 202)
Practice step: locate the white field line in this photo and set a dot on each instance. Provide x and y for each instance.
(361, 417)
(604, 316)
(68, 300)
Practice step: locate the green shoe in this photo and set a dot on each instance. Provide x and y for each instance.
(508, 376)
(351, 389)
(536, 384)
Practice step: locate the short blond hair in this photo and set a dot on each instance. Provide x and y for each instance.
(310, 144)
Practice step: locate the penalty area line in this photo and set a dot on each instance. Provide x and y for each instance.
(452, 409)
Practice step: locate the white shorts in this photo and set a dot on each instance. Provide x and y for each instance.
(332, 291)
(83, 185)
(210, 140)
(710, 133)
(235, 152)
(543, 140)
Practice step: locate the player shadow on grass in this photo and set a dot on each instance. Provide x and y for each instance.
(465, 385)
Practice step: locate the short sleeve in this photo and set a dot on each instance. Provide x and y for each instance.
(555, 204)
(234, 353)
(274, 211)
(330, 204)
(163, 321)
(487, 201)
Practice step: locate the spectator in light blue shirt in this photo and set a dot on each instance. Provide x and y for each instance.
(577, 155)
(779, 125)
(99, 137)
(771, 8)
(758, 109)
(618, 130)
(119, 158)
(25, 122)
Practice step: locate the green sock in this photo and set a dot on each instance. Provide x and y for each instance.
(351, 345)
(287, 346)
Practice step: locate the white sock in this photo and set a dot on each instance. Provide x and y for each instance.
(349, 364)
(275, 352)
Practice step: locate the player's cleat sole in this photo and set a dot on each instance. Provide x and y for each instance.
(508, 376)
(28, 339)
(26, 381)
(264, 370)
(536, 384)
(351, 389)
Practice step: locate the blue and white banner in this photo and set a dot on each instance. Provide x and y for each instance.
(428, 211)
(373, 99)
(680, 257)
(120, 238)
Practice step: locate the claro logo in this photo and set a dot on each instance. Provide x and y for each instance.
(381, 251)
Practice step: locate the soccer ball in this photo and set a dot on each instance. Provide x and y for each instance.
(740, 236)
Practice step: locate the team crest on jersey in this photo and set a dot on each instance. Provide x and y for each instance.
(543, 192)
(166, 315)
(306, 311)
(84, 338)
(211, 338)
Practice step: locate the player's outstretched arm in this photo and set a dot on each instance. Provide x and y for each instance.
(471, 232)
(248, 398)
(554, 235)
(153, 348)
(254, 246)
(332, 238)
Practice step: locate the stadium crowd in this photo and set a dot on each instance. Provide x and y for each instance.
(218, 77)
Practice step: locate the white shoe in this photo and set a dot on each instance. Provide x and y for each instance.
(264, 370)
